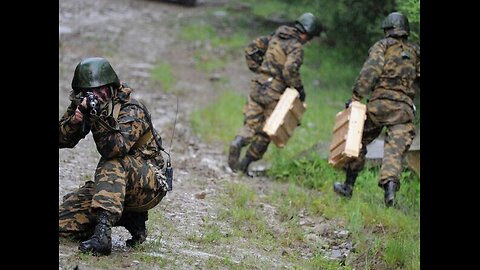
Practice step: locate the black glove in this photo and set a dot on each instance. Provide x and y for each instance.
(302, 93)
(347, 104)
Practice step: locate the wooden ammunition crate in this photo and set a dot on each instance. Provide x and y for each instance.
(347, 134)
(285, 117)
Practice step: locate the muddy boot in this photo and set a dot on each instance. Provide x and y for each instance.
(136, 227)
(346, 189)
(244, 165)
(391, 187)
(234, 154)
(101, 241)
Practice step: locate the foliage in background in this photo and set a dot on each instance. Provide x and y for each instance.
(351, 26)
(411, 9)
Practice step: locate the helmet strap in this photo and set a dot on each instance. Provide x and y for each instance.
(113, 93)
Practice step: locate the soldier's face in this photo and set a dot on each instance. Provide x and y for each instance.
(102, 93)
(304, 38)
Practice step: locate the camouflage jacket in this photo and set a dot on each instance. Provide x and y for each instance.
(392, 68)
(119, 139)
(278, 55)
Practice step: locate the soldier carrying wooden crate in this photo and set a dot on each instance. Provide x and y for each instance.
(276, 59)
(390, 72)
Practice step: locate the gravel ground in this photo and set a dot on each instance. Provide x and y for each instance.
(135, 35)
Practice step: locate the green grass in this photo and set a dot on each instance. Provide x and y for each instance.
(365, 213)
(163, 74)
(215, 50)
(212, 233)
(220, 121)
(216, 263)
(395, 245)
(241, 214)
(319, 262)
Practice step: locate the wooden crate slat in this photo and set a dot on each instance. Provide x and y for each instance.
(339, 137)
(338, 150)
(341, 119)
(347, 134)
(285, 117)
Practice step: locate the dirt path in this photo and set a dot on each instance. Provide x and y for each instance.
(135, 35)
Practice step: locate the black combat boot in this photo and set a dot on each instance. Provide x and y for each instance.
(245, 163)
(391, 187)
(234, 154)
(137, 228)
(346, 189)
(134, 222)
(101, 241)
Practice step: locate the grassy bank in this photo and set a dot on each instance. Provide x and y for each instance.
(384, 238)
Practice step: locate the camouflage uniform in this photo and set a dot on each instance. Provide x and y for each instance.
(390, 72)
(281, 56)
(277, 59)
(125, 183)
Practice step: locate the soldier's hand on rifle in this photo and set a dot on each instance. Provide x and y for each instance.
(78, 117)
(347, 104)
(301, 91)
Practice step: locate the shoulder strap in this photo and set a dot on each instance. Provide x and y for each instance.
(116, 110)
(142, 140)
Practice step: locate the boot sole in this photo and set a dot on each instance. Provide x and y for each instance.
(95, 252)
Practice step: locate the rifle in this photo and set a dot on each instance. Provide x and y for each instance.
(92, 109)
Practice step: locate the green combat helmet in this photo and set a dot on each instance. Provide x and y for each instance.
(94, 72)
(308, 23)
(396, 24)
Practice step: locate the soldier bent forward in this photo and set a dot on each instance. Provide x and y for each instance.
(126, 183)
(276, 59)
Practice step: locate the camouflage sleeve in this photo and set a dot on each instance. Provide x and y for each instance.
(69, 134)
(255, 51)
(291, 68)
(417, 50)
(417, 68)
(370, 72)
(132, 125)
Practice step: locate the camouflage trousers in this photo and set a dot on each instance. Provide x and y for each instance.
(122, 185)
(400, 132)
(260, 104)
